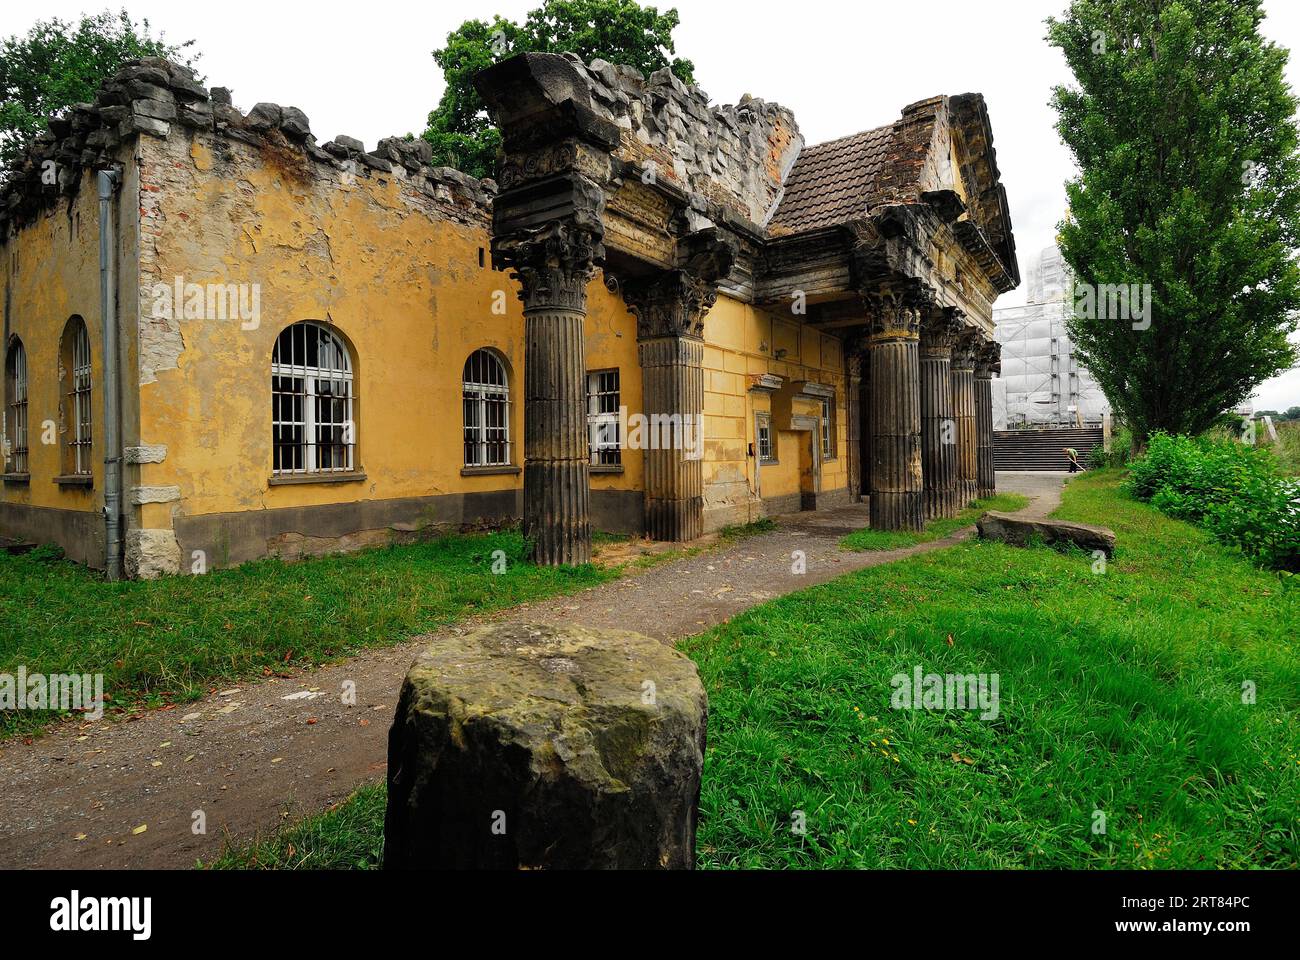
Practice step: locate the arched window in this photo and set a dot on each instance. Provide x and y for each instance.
(487, 411)
(75, 363)
(16, 407)
(312, 392)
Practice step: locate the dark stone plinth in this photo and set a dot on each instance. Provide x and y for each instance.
(518, 747)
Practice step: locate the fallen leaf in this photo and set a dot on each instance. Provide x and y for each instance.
(140, 829)
(79, 837)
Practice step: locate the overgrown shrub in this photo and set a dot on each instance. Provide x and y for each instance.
(1121, 444)
(1237, 492)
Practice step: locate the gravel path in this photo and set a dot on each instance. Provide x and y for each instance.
(129, 794)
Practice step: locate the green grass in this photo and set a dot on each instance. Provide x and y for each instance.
(171, 640)
(348, 836)
(1120, 691)
(868, 539)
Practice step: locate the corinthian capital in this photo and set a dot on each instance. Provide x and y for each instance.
(675, 302)
(988, 361)
(965, 347)
(939, 330)
(553, 263)
(670, 304)
(896, 312)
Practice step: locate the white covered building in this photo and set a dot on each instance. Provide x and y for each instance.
(1042, 382)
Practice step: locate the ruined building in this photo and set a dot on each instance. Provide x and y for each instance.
(313, 347)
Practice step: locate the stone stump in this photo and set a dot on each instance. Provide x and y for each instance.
(1022, 531)
(541, 747)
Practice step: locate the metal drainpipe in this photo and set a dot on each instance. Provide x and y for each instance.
(108, 182)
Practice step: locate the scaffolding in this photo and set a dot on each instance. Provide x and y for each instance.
(1042, 381)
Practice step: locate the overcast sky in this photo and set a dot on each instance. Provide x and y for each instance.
(841, 65)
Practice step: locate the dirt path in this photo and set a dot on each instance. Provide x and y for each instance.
(257, 755)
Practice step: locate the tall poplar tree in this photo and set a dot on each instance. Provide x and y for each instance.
(1184, 132)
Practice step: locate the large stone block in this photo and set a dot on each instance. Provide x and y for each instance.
(151, 554)
(520, 747)
(1020, 532)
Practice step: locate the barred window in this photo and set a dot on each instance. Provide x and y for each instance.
(604, 433)
(16, 407)
(78, 449)
(486, 405)
(828, 429)
(763, 432)
(312, 392)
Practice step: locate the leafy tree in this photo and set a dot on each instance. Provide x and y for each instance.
(1184, 132)
(58, 64)
(620, 31)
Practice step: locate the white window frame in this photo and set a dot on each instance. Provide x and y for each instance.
(604, 430)
(16, 422)
(308, 385)
(763, 424)
(481, 393)
(81, 430)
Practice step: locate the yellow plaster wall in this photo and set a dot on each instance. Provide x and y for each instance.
(50, 272)
(366, 255)
(742, 341)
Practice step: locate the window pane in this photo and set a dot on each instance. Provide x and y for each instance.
(311, 405)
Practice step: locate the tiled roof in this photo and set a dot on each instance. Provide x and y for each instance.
(833, 182)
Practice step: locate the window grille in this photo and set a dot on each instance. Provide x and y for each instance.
(79, 436)
(604, 431)
(312, 393)
(16, 425)
(763, 431)
(828, 429)
(486, 403)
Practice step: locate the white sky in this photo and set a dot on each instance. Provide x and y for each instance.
(841, 65)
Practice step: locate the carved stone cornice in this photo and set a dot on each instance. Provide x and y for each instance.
(988, 361)
(552, 159)
(939, 330)
(553, 263)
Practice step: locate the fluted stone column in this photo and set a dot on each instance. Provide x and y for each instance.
(963, 412)
(852, 400)
(554, 263)
(672, 383)
(670, 308)
(895, 381)
(988, 362)
(938, 428)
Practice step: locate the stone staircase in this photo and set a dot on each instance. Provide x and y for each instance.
(1041, 449)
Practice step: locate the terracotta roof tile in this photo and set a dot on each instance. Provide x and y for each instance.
(833, 182)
